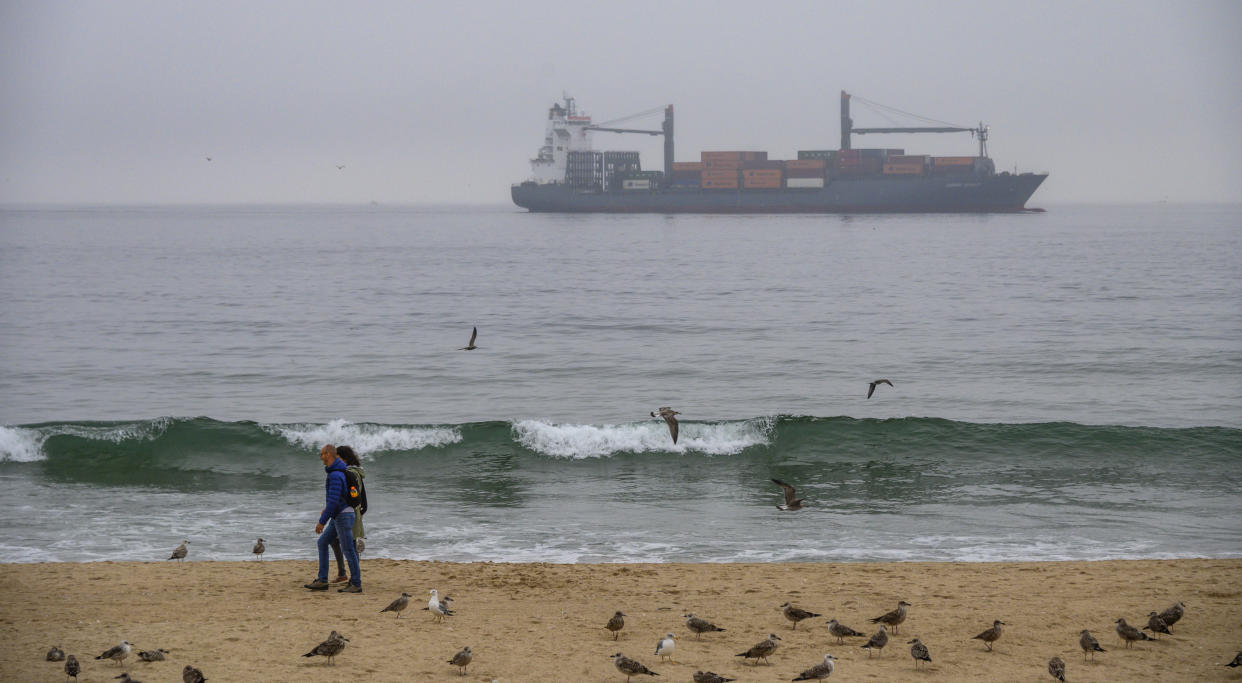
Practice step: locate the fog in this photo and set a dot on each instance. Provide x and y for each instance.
(124, 101)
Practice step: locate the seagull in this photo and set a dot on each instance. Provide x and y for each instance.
(710, 677)
(1237, 661)
(462, 659)
(471, 346)
(919, 651)
(667, 413)
(192, 675)
(841, 631)
(1173, 614)
(179, 553)
(1089, 644)
(1056, 668)
(665, 646)
(761, 650)
(439, 609)
(616, 623)
(871, 389)
(877, 641)
(796, 614)
(329, 648)
(1128, 633)
(818, 672)
(340, 167)
(792, 502)
(700, 626)
(208, 158)
(72, 668)
(117, 652)
(55, 654)
(1156, 625)
(152, 655)
(630, 667)
(259, 548)
(991, 635)
(398, 605)
(894, 618)
(125, 678)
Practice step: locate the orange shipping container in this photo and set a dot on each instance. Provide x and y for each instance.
(720, 156)
(689, 166)
(953, 161)
(762, 173)
(805, 164)
(720, 183)
(724, 165)
(908, 159)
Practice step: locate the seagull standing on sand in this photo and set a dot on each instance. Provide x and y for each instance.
(55, 654)
(991, 635)
(329, 648)
(1089, 644)
(259, 548)
(1156, 625)
(178, 554)
(710, 677)
(470, 347)
(462, 659)
(894, 618)
(398, 605)
(792, 501)
(192, 675)
(438, 608)
(616, 623)
(919, 651)
(1173, 614)
(667, 413)
(877, 641)
(761, 650)
(796, 614)
(841, 631)
(72, 668)
(630, 667)
(700, 626)
(871, 389)
(117, 652)
(665, 646)
(1128, 633)
(1056, 668)
(818, 672)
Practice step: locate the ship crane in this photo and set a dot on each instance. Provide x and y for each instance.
(847, 127)
(666, 130)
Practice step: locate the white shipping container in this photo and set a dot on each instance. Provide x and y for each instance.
(643, 184)
(803, 183)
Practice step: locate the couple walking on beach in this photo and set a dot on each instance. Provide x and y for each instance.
(340, 522)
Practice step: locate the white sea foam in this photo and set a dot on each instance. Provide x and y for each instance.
(25, 444)
(21, 445)
(366, 438)
(597, 441)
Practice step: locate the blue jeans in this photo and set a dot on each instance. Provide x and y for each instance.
(342, 526)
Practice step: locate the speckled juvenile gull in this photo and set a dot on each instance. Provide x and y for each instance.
(1156, 625)
(1089, 644)
(152, 655)
(667, 413)
(699, 626)
(1128, 633)
(1173, 614)
(179, 552)
(919, 651)
(259, 548)
(329, 648)
(55, 654)
(462, 659)
(192, 675)
(1056, 668)
(796, 614)
(398, 605)
(117, 653)
(841, 631)
(630, 667)
(792, 501)
(877, 641)
(871, 388)
(818, 672)
(991, 635)
(710, 677)
(616, 623)
(761, 650)
(894, 618)
(72, 668)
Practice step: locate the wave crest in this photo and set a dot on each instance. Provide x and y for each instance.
(597, 441)
(366, 438)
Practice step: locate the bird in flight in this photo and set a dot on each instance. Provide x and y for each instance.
(340, 167)
(667, 413)
(208, 158)
(792, 502)
(871, 389)
(471, 346)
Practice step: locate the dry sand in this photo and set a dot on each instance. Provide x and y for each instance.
(251, 621)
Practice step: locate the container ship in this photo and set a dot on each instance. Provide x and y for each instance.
(569, 175)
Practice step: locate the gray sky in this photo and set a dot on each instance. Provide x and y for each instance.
(121, 101)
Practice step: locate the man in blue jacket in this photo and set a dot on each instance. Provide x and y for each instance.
(339, 520)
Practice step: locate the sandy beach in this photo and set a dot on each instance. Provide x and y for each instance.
(252, 621)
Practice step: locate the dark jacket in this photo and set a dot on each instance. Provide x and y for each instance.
(334, 485)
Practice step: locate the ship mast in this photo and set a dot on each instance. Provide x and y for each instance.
(666, 129)
(847, 128)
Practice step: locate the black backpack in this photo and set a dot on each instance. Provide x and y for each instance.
(355, 492)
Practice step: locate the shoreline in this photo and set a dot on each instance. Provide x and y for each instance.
(252, 621)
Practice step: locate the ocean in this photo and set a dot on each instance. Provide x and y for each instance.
(1065, 385)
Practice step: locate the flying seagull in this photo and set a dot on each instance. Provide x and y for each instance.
(615, 624)
(179, 553)
(818, 672)
(259, 548)
(630, 667)
(1056, 668)
(471, 346)
(667, 413)
(792, 502)
(192, 675)
(340, 167)
(398, 605)
(462, 659)
(871, 389)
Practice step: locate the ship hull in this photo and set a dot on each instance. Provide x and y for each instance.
(927, 194)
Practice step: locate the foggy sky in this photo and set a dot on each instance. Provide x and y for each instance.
(122, 101)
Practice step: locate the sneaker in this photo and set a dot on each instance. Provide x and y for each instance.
(340, 579)
(351, 588)
(318, 585)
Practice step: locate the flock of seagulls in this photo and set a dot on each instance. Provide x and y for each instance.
(118, 653)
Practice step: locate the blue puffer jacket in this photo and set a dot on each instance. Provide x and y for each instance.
(335, 487)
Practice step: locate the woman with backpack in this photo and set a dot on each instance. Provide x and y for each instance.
(358, 503)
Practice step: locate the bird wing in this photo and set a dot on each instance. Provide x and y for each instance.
(672, 426)
(473, 335)
(789, 491)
